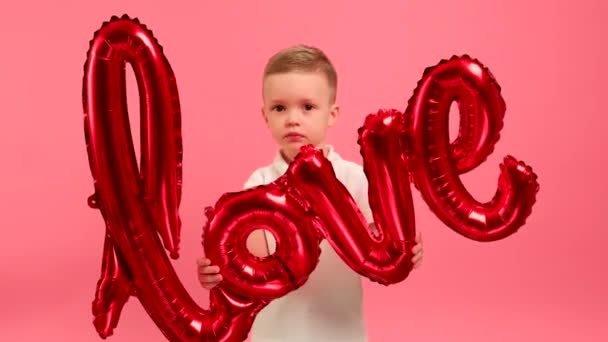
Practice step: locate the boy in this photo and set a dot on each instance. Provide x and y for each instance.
(299, 105)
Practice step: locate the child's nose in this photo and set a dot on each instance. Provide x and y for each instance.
(293, 117)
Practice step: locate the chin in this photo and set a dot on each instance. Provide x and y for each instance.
(294, 146)
(292, 151)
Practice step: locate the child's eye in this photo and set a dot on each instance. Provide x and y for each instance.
(278, 108)
(308, 106)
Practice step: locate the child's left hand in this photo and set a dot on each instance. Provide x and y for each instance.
(417, 250)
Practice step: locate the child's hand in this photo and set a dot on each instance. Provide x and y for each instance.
(417, 250)
(208, 275)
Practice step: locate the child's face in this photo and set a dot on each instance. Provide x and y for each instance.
(298, 109)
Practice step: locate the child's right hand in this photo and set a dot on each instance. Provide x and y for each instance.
(208, 275)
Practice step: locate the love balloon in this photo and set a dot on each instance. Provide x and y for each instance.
(300, 208)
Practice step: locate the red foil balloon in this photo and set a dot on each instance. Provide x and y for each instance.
(300, 208)
(437, 163)
(135, 207)
(277, 208)
(309, 203)
(112, 156)
(385, 258)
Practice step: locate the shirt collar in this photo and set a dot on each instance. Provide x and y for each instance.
(280, 165)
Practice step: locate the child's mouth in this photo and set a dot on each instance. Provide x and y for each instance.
(294, 137)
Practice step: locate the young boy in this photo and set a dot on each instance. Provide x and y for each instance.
(299, 105)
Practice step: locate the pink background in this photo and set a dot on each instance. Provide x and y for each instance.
(546, 283)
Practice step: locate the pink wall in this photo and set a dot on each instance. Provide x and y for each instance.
(546, 283)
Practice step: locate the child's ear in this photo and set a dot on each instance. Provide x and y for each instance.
(334, 113)
(264, 115)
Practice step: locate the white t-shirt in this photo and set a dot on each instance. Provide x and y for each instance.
(329, 306)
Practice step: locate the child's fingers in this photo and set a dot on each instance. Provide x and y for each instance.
(417, 248)
(417, 257)
(210, 278)
(417, 260)
(203, 262)
(209, 269)
(209, 281)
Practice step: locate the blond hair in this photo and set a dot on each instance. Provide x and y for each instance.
(303, 58)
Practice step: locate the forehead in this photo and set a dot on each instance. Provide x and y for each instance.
(296, 84)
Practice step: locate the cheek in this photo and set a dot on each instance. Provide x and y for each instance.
(272, 122)
(275, 128)
(322, 120)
